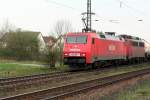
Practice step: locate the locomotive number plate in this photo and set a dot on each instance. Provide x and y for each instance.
(74, 54)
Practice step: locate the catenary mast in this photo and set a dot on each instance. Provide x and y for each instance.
(88, 20)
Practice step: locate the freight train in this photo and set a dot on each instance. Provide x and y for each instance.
(90, 50)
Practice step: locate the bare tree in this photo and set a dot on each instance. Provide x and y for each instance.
(61, 27)
(6, 28)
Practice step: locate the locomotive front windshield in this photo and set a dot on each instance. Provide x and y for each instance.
(76, 39)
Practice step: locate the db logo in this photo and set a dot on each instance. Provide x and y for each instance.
(112, 48)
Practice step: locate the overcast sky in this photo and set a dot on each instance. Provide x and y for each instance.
(41, 15)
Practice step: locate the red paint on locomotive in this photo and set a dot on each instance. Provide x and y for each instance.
(88, 48)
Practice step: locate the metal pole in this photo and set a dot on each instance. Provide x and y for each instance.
(88, 20)
(89, 15)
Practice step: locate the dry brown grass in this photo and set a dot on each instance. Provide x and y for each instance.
(98, 93)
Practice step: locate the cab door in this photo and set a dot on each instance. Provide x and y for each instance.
(93, 49)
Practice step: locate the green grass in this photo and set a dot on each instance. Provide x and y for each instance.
(13, 69)
(21, 62)
(120, 70)
(10, 68)
(140, 91)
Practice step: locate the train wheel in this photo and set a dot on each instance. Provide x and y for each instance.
(94, 66)
(89, 66)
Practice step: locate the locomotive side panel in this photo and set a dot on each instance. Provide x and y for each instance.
(138, 52)
(108, 50)
(135, 49)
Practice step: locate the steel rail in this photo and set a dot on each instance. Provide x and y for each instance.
(26, 77)
(21, 82)
(28, 80)
(14, 83)
(9, 81)
(77, 88)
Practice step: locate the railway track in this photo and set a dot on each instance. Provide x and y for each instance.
(36, 79)
(19, 80)
(10, 84)
(77, 88)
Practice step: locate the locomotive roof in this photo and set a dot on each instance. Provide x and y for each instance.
(100, 36)
(92, 34)
(80, 33)
(110, 37)
(132, 38)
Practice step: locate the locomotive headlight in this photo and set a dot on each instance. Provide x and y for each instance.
(83, 54)
(66, 54)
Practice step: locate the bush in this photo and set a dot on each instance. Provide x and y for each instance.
(22, 45)
(6, 53)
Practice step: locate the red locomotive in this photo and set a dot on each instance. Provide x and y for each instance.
(88, 49)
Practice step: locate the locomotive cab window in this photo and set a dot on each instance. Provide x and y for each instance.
(81, 39)
(76, 39)
(71, 39)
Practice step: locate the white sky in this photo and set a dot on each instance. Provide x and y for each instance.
(41, 15)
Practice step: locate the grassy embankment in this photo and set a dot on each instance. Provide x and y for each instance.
(10, 68)
(140, 91)
(14, 68)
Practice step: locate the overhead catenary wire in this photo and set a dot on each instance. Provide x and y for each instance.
(106, 19)
(123, 3)
(75, 9)
(63, 5)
